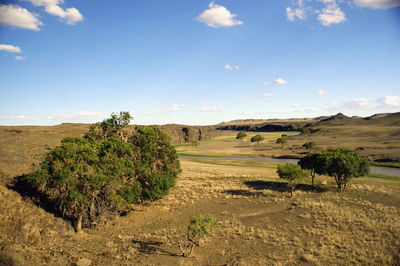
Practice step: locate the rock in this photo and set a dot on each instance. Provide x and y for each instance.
(83, 262)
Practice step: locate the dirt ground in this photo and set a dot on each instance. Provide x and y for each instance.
(258, 224)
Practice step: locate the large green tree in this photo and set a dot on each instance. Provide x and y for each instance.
(342, 164)
(91, 179)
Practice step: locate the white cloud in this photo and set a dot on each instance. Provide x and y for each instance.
(78, 117)
(299, 12)
(267, 94)
(331, 14)
(390, 101)
(218, 16)
(20, 57)
(12, 117)
(10, 48)
(69, 15)
(210, 109)
(319, 92)
(377, 3)
(293, 13)
(174, 108)
(230, 67)
(365, 104)
(360, 103)
(280, 81)
(201, 102)
(16, 16)
(266, 84)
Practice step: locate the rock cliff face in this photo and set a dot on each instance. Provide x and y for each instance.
(182, 133)
(262, 127)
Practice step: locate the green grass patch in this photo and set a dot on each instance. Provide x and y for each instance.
(199, 154)
(385, 177)
(233, 162)
(385, 164)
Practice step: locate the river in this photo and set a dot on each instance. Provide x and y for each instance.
(373, 169)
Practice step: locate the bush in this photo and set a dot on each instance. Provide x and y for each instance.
(257, 138)
(292, 173)
(282, 141)
(198, 227)
(309, 145)
(241, 135)
(91, 179)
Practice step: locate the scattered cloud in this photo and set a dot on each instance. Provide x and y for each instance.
(174, 108)
(384, 102)
(319, 92)
(280, 81)
(18, 57)
(210, 109)
(267, 95)
(10, 48)
(201, 102)
(296, 13)
(266, 84)
(360, 103)
(230, 67)
(52, 7)
(12, 117)
(377, 3)
(16, 16)
(390, 101)
(218, 16)
(78, 117)
(331, 14)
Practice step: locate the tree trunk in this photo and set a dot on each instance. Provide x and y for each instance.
(78, 224)
(312, 179)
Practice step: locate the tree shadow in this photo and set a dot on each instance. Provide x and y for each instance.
(28, 192)
(242, 192)
(152, 247)
(282, 186)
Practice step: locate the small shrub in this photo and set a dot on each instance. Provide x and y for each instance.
(309, 145)
(292, 173)
(195, 143)
(198, 227)
(257, 138)
(241, 135)
(282, 141)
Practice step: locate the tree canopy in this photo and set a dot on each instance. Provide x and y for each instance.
(241, 135)
(292, 173)
(340, 163)
(91, 179)
(282, 141)
(257, 138)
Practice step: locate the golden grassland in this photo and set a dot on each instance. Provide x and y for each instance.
(258, 222)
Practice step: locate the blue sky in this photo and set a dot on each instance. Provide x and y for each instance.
(197, 62)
